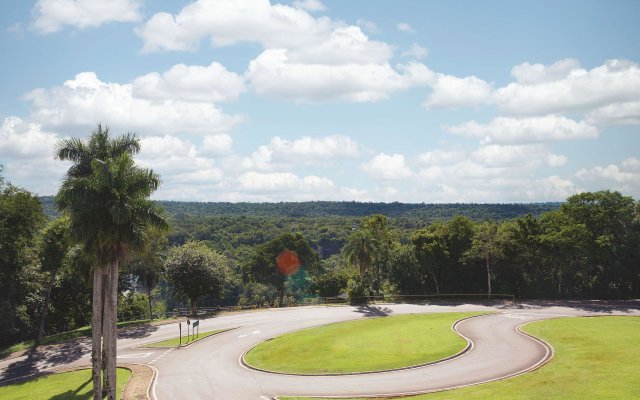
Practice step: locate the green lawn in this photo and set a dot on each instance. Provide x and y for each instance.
(176, 341)
(595, 358)
(364, 345)
(74, 385)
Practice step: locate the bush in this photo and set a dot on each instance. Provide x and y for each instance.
(389, 291)
(357, 292)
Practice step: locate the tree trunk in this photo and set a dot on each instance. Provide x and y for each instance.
(488, 277)
(45, 307)
(281, 296)
(560, 281)
(150, 305)
(96, 333)
(436, 282)
(193, 308)
(110, 332)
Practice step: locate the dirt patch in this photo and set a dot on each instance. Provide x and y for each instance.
(140, 382)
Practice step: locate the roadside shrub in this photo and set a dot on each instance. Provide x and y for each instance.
(357, 292)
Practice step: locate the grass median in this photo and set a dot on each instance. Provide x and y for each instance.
(363, 345)
(595, 358)
(74, 385)
(186, 340)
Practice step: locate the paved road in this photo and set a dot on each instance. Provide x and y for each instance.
(210, 369)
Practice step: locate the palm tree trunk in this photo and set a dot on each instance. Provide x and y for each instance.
(110, 336)
(96, 333)
(45, 307)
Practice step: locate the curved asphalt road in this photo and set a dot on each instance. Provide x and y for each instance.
(210, 369)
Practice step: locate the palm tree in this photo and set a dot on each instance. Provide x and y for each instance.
(106, 199)
(360, 251)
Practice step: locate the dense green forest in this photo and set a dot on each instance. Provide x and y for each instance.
(585, 247)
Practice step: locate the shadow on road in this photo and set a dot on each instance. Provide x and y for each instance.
(50, 356)
(137, 331)
(373, 311)
(600, 306)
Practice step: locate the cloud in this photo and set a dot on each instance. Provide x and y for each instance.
(21, 139)
(86, 100)
(528, 74)
(274, 74)
(227, 22)
(416, 51)
(387, 167)
(616, 114)
(526, 130)
(213, 83)
(451, 92)
(491, 173)
(310, 5)
(404, 27)
(304, 58)
(281, 153)
(52, 15)
(564, 87)
(624, 177)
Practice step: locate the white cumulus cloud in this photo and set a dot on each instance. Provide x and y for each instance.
(213, 83)
(526, 130)
(52, 15)
(387, 167)
(86, 100)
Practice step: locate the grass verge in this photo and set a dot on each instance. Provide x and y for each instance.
(595, 358)
(363, 345)
(176, 341)
(74, 385)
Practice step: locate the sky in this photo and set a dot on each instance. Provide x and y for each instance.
(256, 100)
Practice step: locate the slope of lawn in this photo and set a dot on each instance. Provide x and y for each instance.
(175, 342)
(363, 345)
(75, 385)
(595, 358)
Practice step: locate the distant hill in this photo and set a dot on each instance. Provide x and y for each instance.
(424, 212)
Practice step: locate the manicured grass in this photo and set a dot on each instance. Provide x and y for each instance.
(595, 358)
(74, 385)
(363, 345)
(185, 341)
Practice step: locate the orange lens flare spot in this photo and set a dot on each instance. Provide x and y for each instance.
(288, 262)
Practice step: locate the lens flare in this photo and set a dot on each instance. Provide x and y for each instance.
(288, 262)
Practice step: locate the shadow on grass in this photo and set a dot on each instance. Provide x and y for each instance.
(73, 395)
(38, 359)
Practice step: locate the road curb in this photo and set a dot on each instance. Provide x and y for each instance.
(142, 346)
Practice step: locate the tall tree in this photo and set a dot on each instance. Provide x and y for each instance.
(21, 218)
(106, 199)
(485, 247)
(378, 226)
(264, 268)
(360, 251)
(195, 270)
(55, 244)
(149, 264)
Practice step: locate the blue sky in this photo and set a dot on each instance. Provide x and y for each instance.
(411, 101)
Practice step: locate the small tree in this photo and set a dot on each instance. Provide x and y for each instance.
(55, 243)
(194, 270)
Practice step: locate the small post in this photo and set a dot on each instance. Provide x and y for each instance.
(180, 328)
(188, 324)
